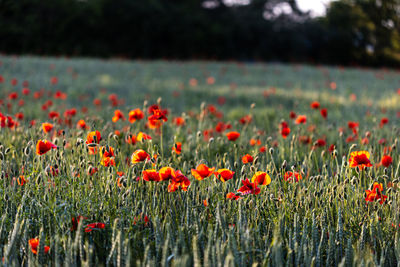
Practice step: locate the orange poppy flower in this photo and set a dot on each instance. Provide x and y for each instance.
(139, 156)
(179, 121)
(21, 180)
(177, 181)
(34, 243)
(249, 188)
(93, 138)
(247, 159)
(232, 136)
(359, 159)
(43, 146)
(224, 174)
(177, 148)
(232, 196)
(118, 115)
(386, 160)
(254, 142)
(202, 171)
(166, 173)
(375, 194)
(158, 115)
(47, 127)
(135, 115)
(142, 136)
(94, 226)
(292, 176)
(151, 175)
(301, 119)
(81, 125)
(261, 178)
(107, 161)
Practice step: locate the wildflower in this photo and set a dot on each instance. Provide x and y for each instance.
(135, 115)
(47, 127)
(292, 176)
(54, 114)
(75, 222)
(43, 146)
(82, 125)
(254, 142)
(202, 171)
(107, 156)
(315, 105)
(292, 115)
(247, 159)
(249, 188)
(386, 160)
(158, 115)
(177, 181)
(166, 173)
(359, 159)
(177, 148)
(324, 113)
(139, 156)
(224, 174)
(301, 119)
(261, 178)
(232, 196)
(246, 119)
(232, 136)
(375, 194)
(142, 136)
(94, 226)
(151, 175)
(118, 115)
(383, 122)
(285, 130)
(179, 121)
(21, 180)
(34, 243)
(93, 138)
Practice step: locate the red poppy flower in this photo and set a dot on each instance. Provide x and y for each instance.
(34, 243)
(166, 173)
(139, 156)
(19, 116)
(261, 178)
(247, 159)
(202, 171)
(301, 119)
(292, 176)
(53, 80)
(224, 174)
(47, 127)
(359, 159)
(75, 222)
(254, 142)
(232, 136)
(246, 119)
(383, 122)
(320, 143)
(315, 105)
(375, 194)
(285, 132)
(352, 124)
(13, 96)
(292, 115)
(43, 146)
(177, 181)
(54, 114)
(151, 175)
(386, 160)
(249, 188)
(21, 180)
(97, 102)
(221, 127)
(158, 115)
(324, 113)
(232, 196)
(94, 226)
(135, 115)
(177, 148)
(60, 95)
(26, 91)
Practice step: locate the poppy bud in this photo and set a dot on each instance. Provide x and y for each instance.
(253, 105)
(92, 145)
(64, 142)
(211, 140)
(243, 170)
(255, 160)
(352, 146)
(322, 154)
(271, 151)
(159, 100)
(7, 151)
(334, 153)
(198, 134)
(1, 147)
(27, 151)
(235, 165)
(385, 171)
(202, 105)
(284, 164)
(253, 169)
(1, 156)
(56, 141)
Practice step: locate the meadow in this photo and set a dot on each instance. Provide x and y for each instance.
(167, 163)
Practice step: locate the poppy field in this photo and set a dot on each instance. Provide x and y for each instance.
(158, 163)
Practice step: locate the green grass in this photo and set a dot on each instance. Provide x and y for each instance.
(323, 220)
